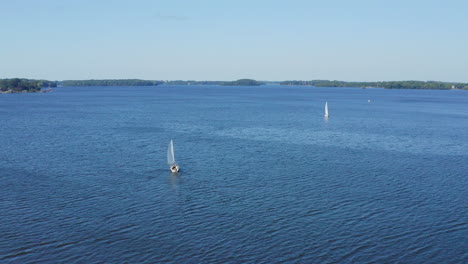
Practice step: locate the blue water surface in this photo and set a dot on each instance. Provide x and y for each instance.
(265, 177)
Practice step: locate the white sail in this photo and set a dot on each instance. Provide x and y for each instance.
(170, 154)
(326, 109)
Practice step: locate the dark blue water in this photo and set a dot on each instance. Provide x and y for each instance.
(265, 178)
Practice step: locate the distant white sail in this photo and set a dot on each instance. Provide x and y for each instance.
(170, 154)
(326, 109)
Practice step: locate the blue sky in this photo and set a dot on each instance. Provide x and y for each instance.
(227, 40)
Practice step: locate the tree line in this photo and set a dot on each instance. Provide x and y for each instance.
(31, 85)
(111, 82)
(192, 82)
(240, 82)
(243, 82)
(17, 85)
(386, 85)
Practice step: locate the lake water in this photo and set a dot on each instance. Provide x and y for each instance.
(265, 178)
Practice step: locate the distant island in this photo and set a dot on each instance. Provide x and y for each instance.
(138, 82)
(192, 82)
(110, 82)
(251, 82)
(243, 82)
(385, 85)
(21, 85)
(240, 82)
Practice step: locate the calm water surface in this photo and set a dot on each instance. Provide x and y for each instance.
(265, 178)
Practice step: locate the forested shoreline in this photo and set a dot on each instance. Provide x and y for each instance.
(21, 85)
(385, 85)
(111, 82)
(243, 82)
(240, 82)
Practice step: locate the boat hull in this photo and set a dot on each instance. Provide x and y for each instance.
(174, 169)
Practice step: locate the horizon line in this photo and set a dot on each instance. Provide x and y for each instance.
(188, 80)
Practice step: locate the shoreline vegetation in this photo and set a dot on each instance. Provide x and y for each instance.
(434, 85)
(111, 82)
(21, 85)
(137, 82)
(251, 82)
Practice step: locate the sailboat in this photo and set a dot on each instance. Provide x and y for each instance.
(326, 109)
(171, 159)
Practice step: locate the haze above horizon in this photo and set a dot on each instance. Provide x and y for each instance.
(361, 40)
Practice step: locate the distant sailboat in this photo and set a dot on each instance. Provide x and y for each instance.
(326, 109)
(171, 159)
